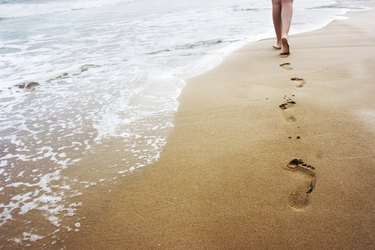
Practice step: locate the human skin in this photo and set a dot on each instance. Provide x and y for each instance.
(282, 11)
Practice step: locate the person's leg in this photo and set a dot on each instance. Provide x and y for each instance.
(286, 19)
(286, 16)
(277, 22)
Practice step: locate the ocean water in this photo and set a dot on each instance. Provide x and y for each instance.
(76, 75)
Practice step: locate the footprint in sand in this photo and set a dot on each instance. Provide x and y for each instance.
(300, 82)
(299, 199)
(286, 66)
(287, 104)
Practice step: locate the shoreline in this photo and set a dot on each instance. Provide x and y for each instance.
(226, 178)
(228, 50)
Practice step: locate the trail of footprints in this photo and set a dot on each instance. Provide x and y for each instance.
(298, 199)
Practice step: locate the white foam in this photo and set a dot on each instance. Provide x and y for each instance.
(3, 163)
(31, 237)
(31, 9)
(27, 236)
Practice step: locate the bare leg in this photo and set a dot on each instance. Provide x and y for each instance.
(286, 18)
(277, 22)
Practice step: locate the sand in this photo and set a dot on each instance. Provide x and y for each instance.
(262, 156)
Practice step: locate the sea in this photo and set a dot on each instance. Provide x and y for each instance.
(77, 75)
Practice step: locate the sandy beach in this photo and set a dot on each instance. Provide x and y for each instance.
(262, 156)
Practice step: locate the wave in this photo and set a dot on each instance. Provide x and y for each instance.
(22, 8)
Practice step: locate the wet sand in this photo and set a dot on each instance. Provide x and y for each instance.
(263, 156)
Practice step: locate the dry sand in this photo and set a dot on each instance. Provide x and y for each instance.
(223, 180)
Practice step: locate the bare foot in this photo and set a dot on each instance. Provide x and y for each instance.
(277, 45)
(284, 46)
